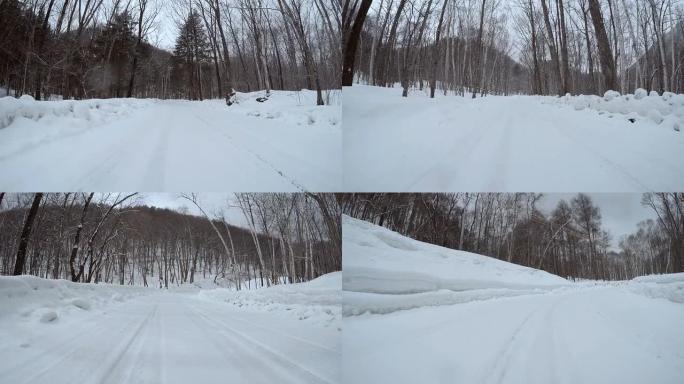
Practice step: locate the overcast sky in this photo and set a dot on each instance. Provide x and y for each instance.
(620, 212)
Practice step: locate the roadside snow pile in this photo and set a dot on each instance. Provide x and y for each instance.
(663, 279)
(46, 301)
(666, 110)
(358, 303)
(669, 286)
(27, 107)
(296, 108)
(25, 122)
(318, 301)
(377, 260)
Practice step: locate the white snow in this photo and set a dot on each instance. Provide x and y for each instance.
(318, 301)
(655, 108)
(589, 332)
(511, 143)
(62, 332)
(378, 260)
(284, 144)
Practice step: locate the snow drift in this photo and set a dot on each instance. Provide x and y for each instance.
(31, 298)
(378, 260)
(318, 301)
(666, 110)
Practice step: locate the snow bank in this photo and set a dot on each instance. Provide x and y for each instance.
(41, 300)
(318, 301)
(293, 108)
(25, 122)
(357, 303)
(377, 260)
(666, 110)
(663, 279)
(667, 286)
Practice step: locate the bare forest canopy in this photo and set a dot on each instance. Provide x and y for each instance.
(87, 237)
(102, 49)
(570, 241)
(546, 47)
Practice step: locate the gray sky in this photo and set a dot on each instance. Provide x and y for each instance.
(620, 212)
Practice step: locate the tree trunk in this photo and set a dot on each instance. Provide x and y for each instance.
(25, 234)
(352, 43)
(435, 51)
(605, 54)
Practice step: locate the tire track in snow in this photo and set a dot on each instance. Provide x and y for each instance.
(302, 373)
(256, 155)
(286, 335)
(115, 368)
(502, 154)
(535, 328)
(443, 169)
(616, 167)
(156, 167)
(69, 352)
(106, 164)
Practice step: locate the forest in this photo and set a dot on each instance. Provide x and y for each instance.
(113, 238)
(542, 47)
(102, 49)
(570, 241)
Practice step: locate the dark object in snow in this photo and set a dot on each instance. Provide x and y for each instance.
(632, 120)
(264, 98)
(230, 98)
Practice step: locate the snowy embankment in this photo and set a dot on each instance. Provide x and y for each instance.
(511, 143)
(557, 332)
(385, 271)
(318, 301)
(62, 332)
(666, 110)
(286, 143)
(30, 299)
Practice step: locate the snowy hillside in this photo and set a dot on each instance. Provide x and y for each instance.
(511, 143)
(546, 331)
(376, 259)
(62, 332)
(284, 144)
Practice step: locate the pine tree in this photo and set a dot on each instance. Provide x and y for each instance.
(113, 47)
(191, 51)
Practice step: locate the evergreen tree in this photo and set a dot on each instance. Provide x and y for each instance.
(191, 52)
(113, 47)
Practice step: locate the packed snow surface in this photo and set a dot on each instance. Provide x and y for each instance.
(61, 332)
(589, 332)
(626, 143)
(284, 144)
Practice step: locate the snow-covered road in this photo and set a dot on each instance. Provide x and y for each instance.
(420, 313)
(161, 337)
(579, 334)
(504, 144)
(285, 144)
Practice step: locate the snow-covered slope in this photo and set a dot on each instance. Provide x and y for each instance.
(30, 299)
(61, 332)
(378, 260)
(511, 143)
(558, 332)
(284, 144)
